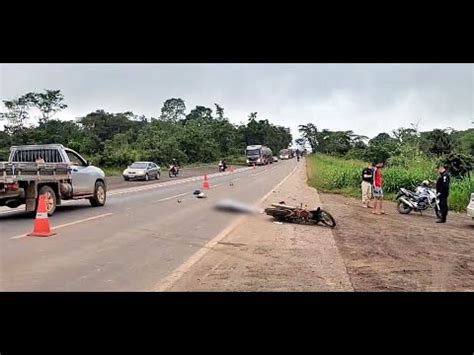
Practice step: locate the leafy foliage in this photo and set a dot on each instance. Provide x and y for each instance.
(117, 139)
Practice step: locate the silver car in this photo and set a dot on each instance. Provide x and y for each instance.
(142, 170)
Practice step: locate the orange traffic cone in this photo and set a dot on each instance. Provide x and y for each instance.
(41, 228)
(205, 184)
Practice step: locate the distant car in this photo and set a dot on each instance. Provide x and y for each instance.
(470, 207)
(142, 170)
(275, 159)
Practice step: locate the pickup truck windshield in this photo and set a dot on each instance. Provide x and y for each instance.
(138, 166)
(253, 152)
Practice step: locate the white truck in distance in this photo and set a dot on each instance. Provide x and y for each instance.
(258, 155)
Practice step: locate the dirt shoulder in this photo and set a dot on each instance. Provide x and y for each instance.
(260, 255)
(398, 252)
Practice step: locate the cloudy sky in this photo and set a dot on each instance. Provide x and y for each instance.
(365, 98)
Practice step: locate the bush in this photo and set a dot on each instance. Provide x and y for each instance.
(460, 193)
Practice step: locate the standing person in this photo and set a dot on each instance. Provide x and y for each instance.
(442, 188)
(378, 189)
(366, 186)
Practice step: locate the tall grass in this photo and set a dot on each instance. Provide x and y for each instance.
(337, 175)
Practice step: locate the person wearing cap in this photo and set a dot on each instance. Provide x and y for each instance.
(442, 190)
(366, 185)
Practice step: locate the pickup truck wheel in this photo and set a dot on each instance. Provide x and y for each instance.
(146, 177)
(158, 176)
(50, 199)
(99, 195)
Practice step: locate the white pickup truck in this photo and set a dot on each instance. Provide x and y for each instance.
(52, 170)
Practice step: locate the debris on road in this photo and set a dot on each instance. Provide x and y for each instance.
(197, 192)
(201, 195)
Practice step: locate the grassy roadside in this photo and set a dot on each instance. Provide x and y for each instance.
(341, 176)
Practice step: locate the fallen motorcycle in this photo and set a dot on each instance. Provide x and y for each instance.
(293, 214)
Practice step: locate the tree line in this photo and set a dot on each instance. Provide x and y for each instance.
(117, 139)
(402, 147)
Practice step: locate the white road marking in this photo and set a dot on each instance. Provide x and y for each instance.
(172, 278)
(264, 171)
(69, 224)
(171, 197)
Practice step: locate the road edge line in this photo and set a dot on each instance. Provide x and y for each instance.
(172, 278)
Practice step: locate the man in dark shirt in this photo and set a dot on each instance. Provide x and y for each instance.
(367, 176)
(442, 188)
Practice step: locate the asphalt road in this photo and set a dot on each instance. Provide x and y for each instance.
(138, 239)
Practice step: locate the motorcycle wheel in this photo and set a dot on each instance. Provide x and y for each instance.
(326, 218)
(403, 208)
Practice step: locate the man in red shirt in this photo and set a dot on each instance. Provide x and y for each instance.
(378, 189)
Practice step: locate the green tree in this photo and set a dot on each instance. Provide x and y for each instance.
(173, 110)
(440, 142)
(466, 143)
(199, 113)
(48, 103)
(17, 113)
(220, 112)
(105, 125)
(309, 133)
(405, 135)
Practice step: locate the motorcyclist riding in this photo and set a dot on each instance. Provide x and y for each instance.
(174, 167)
(222, 165)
